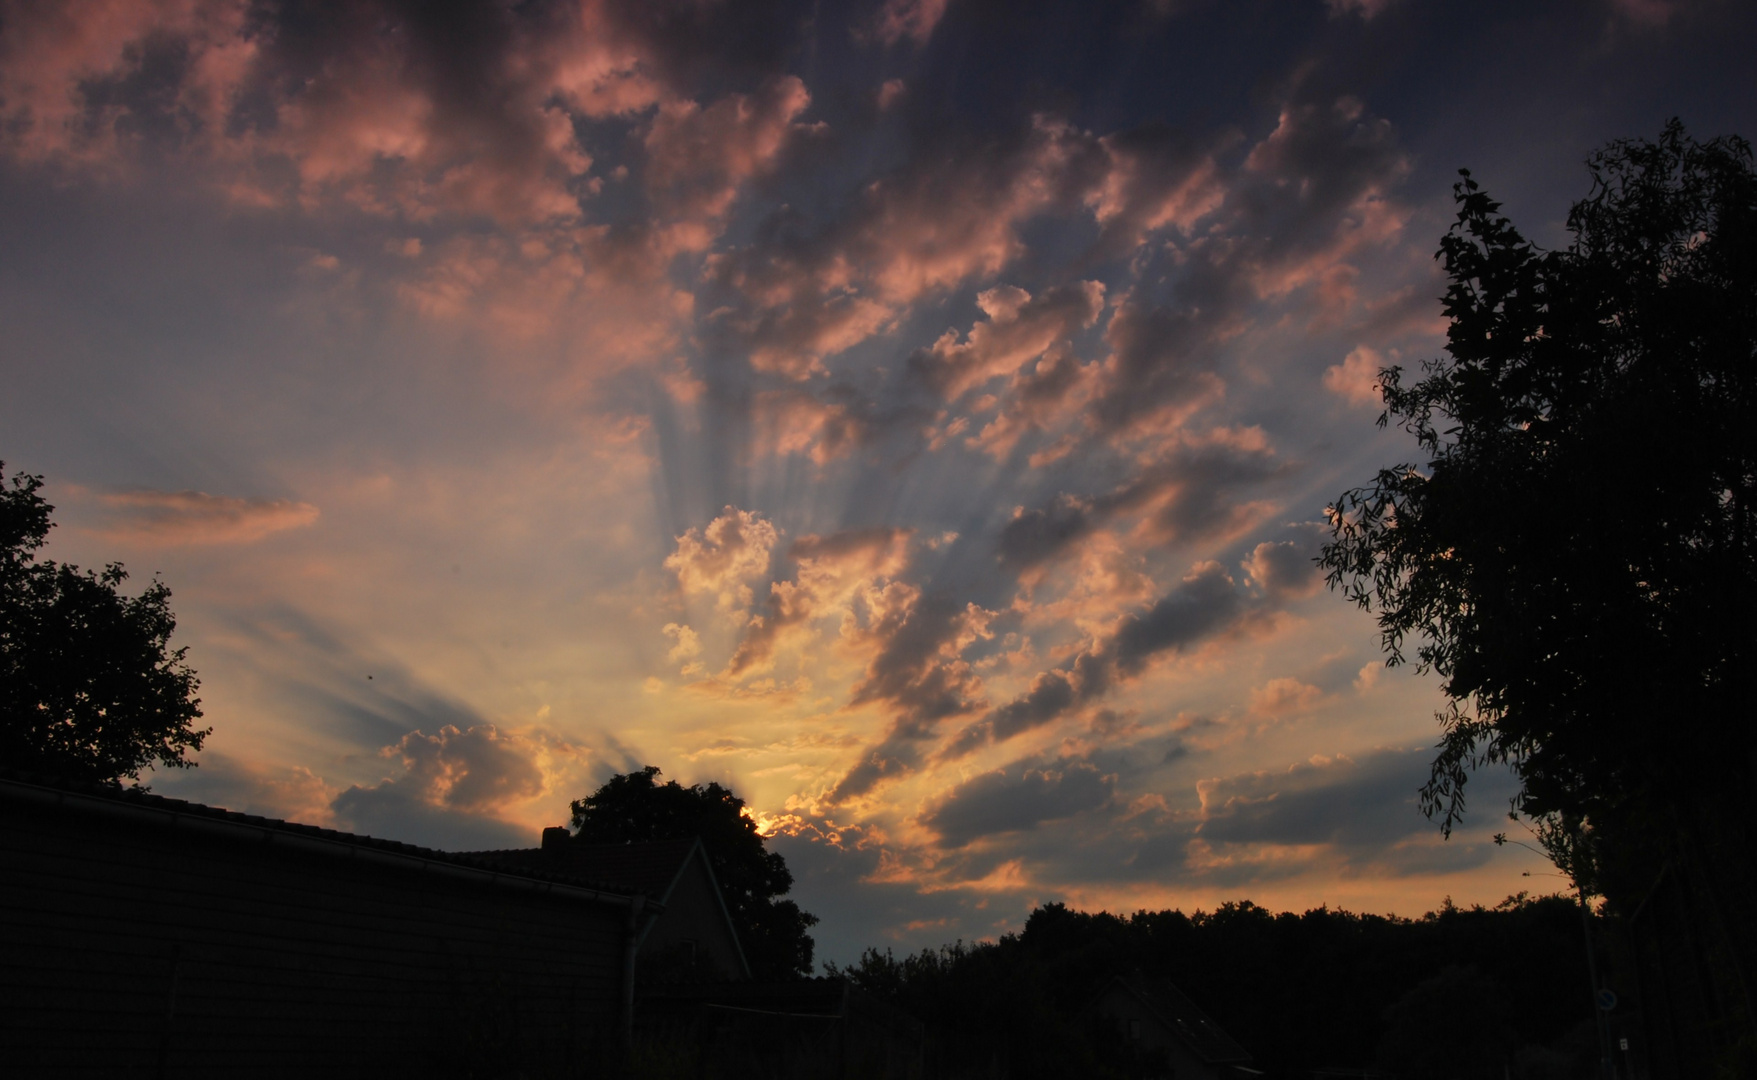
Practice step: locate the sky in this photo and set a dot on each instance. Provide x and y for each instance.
(917, 415)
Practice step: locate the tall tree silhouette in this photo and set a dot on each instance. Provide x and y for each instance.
(633, 807)
(1575, 558)
(89, 686)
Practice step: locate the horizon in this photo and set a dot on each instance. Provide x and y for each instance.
(915, 415)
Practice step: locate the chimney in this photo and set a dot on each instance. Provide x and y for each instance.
(555, 837)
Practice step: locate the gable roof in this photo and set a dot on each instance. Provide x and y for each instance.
(142, 806)
(652, 868)
(1176, 1012)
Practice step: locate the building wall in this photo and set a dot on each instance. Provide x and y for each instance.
(693, 913)
(1152, 1037)
(156, 946)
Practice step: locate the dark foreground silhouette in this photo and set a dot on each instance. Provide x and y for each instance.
(1454, 995)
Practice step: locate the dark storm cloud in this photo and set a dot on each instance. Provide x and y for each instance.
(1005, 801)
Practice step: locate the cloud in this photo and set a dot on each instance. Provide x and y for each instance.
(1356, 379)
(1155, 178)
(1307, 198)
(831, 573)
(1190, 493)
(189, 518)
(721, 559)
(1208, 604)
(289, 793)
(65, 72)
(1205, 604)
(697, 158)
(919, 673)
(414, 111)
(804, 290)
(687, 646)
(1279, 697)
(918, 668)
(912, 19)
(1287, 570)
(1366, 9)
(1019, 329)
(457, 786)
(1362, 802)
(1004, 801)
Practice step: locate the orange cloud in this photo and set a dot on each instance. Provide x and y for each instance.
(721, 559)
(1279, 697)
(832, 572)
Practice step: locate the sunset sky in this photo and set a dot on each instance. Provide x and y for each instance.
(915, 414)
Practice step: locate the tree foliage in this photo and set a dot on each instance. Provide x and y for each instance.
(1574, 558)
(634, 807)
(89, 686)
(1300, 992)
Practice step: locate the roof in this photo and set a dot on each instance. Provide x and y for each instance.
(1178, 1013)
(651, 868)
(141, 805)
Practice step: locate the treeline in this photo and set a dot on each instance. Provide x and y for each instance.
(1459, 993)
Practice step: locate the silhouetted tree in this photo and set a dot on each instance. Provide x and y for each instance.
(89, 687)
(1299, 991)
(1575, 557)
(633, 807)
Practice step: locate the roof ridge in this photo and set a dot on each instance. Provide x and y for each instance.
(17, 781)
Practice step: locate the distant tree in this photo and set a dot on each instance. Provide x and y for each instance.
(89, 686)
(633, 807)
(1323, 989)
(1576, 558)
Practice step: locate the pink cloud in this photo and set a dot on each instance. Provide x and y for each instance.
(466, 112)
(1018, 330)
(929, 229)
(697, 157)
(185, 518)
(50, 53)
(1356, 379)
(912, 19)
(1147, 184)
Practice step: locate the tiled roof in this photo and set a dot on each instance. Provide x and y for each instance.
(20, 786)
(1181, 1015)
(648, 868)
